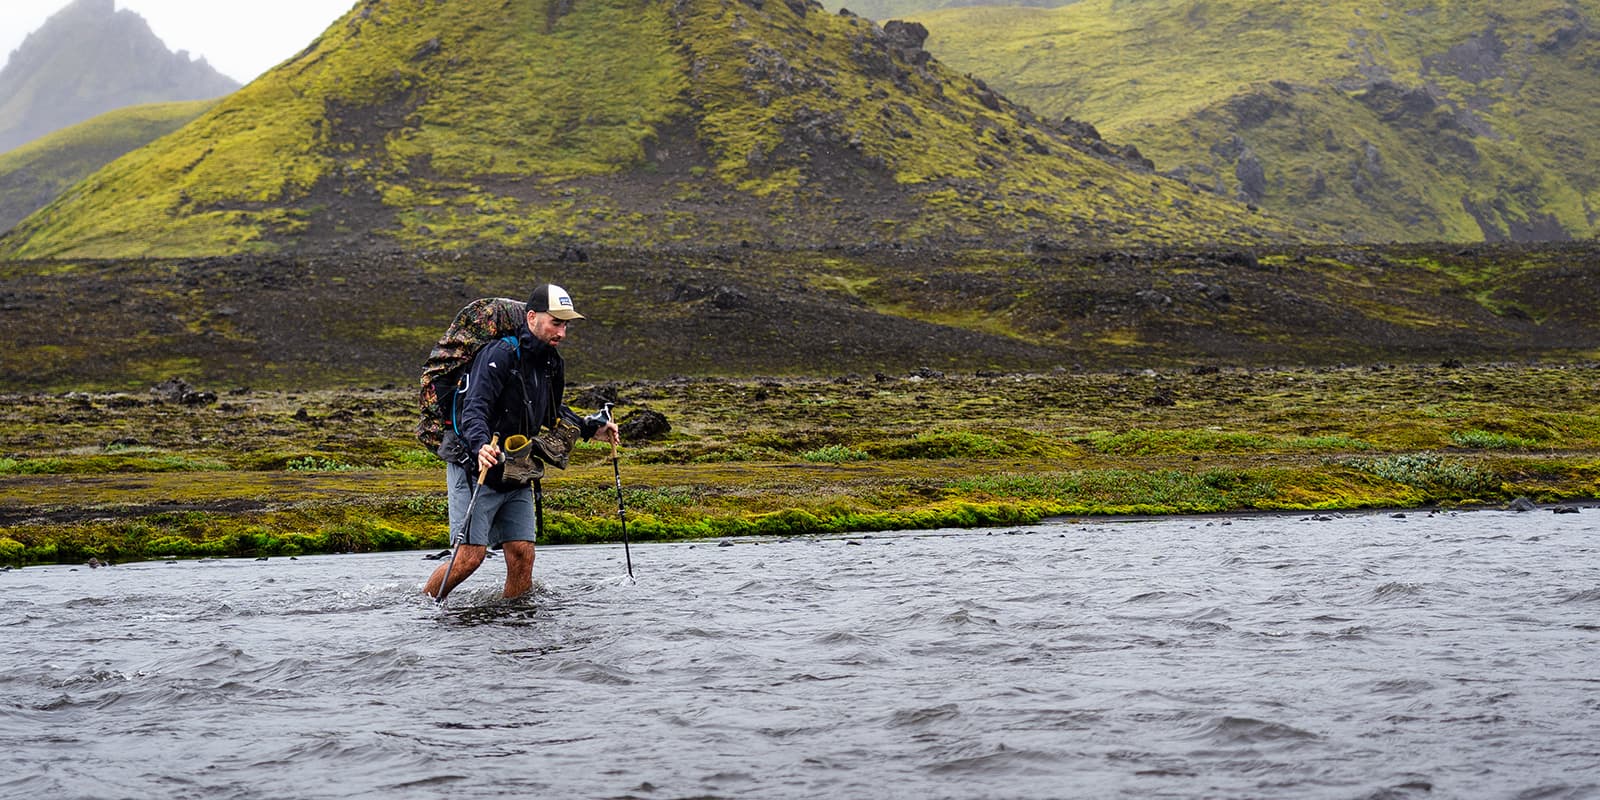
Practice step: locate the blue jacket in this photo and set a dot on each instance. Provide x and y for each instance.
(514, 390)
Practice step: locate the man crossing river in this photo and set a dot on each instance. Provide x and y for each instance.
(512, 391)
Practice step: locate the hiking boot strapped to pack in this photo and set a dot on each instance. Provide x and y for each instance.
(520, 466)
(555, 444)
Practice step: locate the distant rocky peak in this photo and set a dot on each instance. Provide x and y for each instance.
(87, 59)
(88, 8)
(82, 23)
(76, 15)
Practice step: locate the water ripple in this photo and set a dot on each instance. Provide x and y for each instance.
(1230, 731)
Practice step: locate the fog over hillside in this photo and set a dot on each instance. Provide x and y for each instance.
(90, 58)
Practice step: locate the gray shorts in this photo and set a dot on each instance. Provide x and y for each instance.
(497, 517)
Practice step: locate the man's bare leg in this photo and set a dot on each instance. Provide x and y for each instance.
(519, 568)
(467, 559)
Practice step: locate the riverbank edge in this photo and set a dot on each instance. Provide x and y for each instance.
(837, 500)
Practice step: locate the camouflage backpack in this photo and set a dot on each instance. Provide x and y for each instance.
(477, 324)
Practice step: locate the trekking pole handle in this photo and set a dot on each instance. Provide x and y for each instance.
(494, 441)
(605, 413)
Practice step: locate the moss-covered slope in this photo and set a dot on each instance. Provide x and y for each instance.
(36, 173)
(421, 124)
(883, 10)
(1464, 121)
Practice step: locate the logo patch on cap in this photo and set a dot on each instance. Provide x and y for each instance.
(553, 300)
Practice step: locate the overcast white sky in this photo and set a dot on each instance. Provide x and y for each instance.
(240, 38)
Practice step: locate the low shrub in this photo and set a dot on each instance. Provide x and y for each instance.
(1429, 471)
(834, 454)
(1488, 440)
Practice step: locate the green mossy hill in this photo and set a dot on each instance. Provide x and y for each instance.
(88, 59)
(310, 322)
(419, 124)
(36, 173)
(1459, 121)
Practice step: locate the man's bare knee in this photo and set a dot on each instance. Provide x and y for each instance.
(467, 558)
(519, 555)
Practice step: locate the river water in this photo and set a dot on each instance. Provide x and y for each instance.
(1369, 656)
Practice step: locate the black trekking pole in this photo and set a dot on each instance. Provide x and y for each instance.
(622, 513)
(538, 507)
(466, 528)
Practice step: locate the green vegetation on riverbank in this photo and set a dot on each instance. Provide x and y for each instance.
(121, 477)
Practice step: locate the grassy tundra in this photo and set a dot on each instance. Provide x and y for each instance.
(119, 476)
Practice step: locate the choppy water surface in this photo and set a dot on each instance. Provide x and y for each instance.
(1449, 655)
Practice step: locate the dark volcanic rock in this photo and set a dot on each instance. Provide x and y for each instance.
(643, 425)
(178, 391)
(368, 318)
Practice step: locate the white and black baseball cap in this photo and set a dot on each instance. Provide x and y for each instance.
(553, 300)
